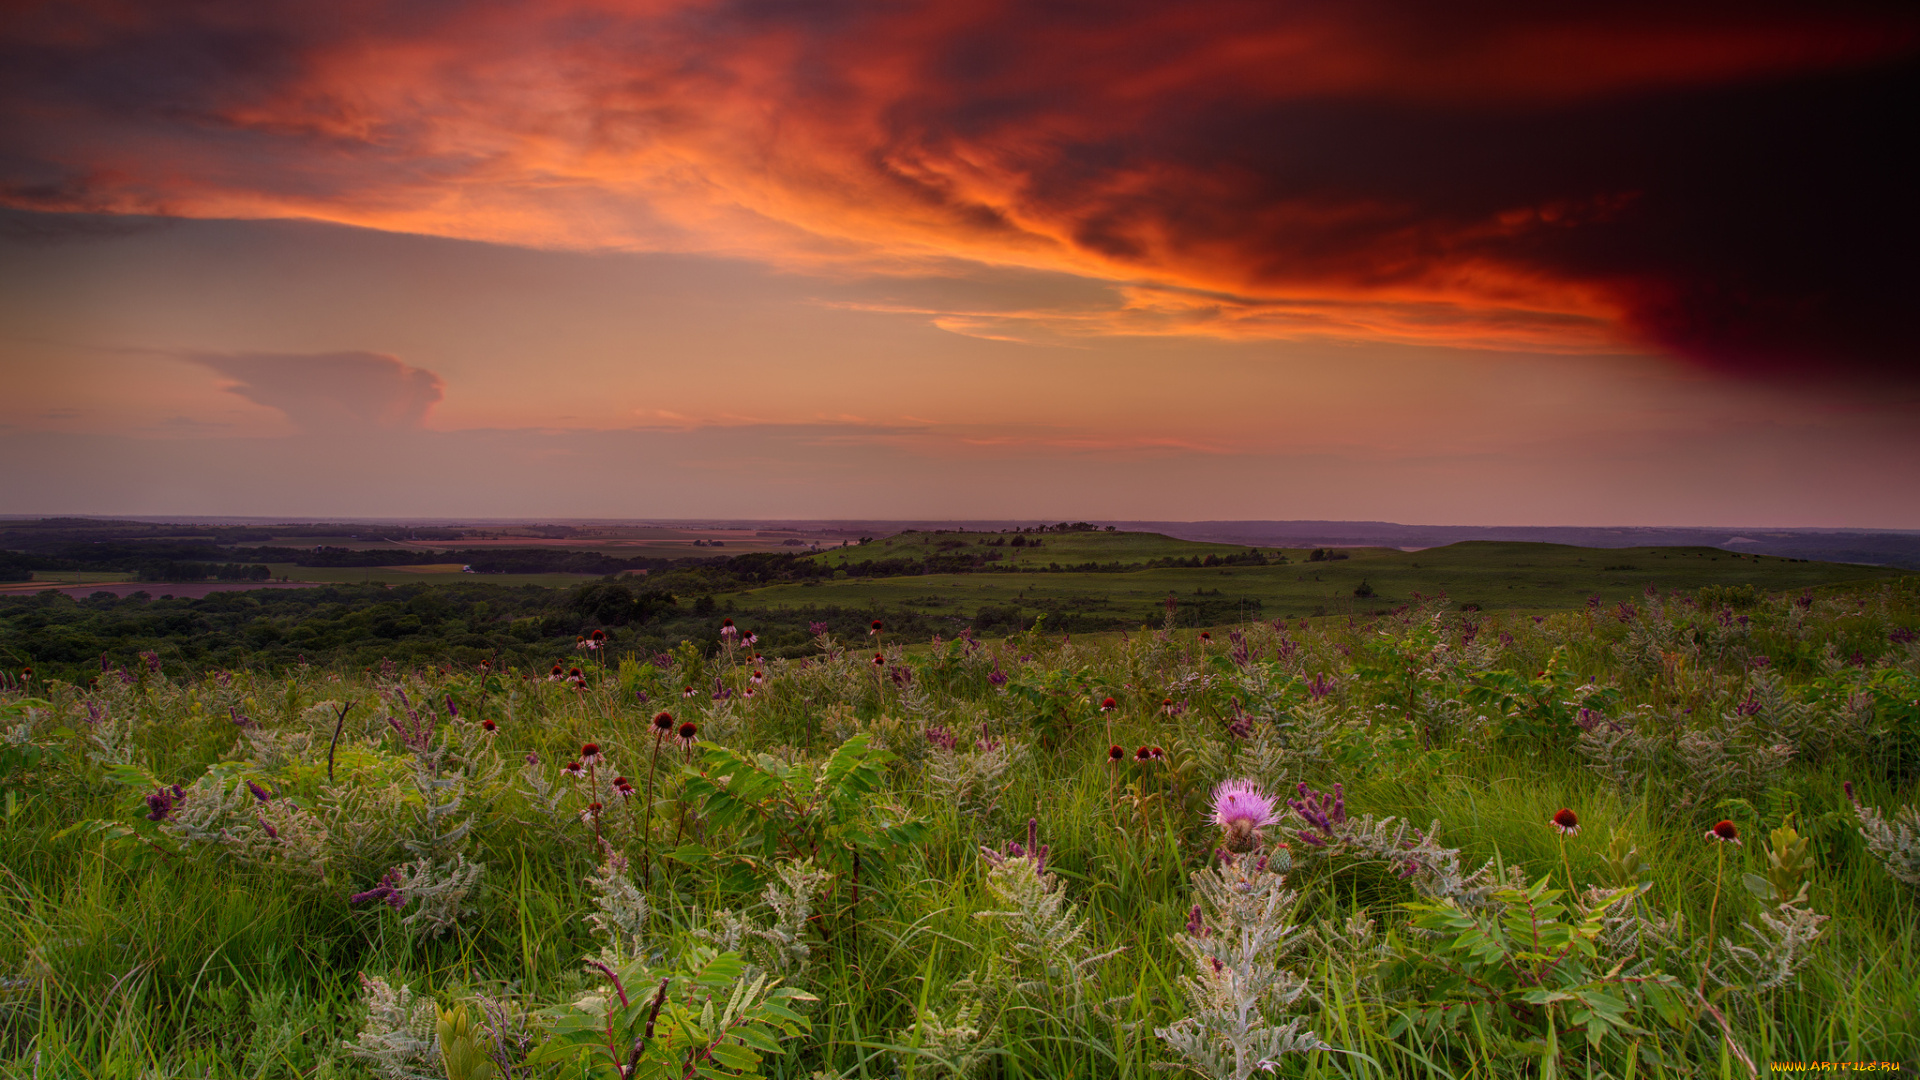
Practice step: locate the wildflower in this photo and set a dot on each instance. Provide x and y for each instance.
(558, 672)
(1143, 755)
(1206, 638)
(1195, 925)
(941, 737)
(997, 677)
(579, 641)
(533, 758)
(267, 827)
(573, 768)
(750, 639)
(1726, 832)
(590, 754)
(489, 727)
(1109, 705)
(591, 812)
(687, 692)
(1116, 754)
(160, 803)
(624, 786)
(1240, 808)
(875, 628)
(1567, 822)
(388, 890)
(757, 677)
(1156, 753)
(577, 677)
(1241, 726)
(259, 792)
(879, 661)
(689, 733)
(597, 639)
(662, 723)
(1847, 786)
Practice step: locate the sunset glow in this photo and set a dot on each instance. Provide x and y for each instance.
(1640, 263)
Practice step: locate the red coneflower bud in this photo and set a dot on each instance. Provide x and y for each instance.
(1109, 705)
(1725, 832)
(1143, 754)
(1116, 753)
(662, 722)
(1566, 821)
(688, 732)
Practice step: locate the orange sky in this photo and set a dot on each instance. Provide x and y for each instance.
(1597, 264)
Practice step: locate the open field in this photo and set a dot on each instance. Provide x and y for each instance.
(1491, 575)
(827, 831)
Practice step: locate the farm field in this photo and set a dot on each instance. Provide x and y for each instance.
(1448, 843)
(1490, 575)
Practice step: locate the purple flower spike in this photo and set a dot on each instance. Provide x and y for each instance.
(267, 827)
(259, 792)
(387, 890)
(1195, 925)
(451, 709)
(1324, 814)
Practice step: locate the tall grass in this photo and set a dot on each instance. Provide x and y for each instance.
(127, 950)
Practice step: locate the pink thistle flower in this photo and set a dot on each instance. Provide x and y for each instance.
(1240, 808)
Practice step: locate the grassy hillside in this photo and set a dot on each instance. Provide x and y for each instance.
(940, 854)
(1492, 576)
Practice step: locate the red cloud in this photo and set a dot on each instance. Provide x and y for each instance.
(1719, 179)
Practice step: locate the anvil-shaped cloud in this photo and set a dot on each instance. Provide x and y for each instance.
(331, 393)
(1722, 181)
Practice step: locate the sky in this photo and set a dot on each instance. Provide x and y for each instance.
(1474, 263)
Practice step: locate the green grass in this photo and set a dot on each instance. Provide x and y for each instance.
(1495, 576)
(127, 952)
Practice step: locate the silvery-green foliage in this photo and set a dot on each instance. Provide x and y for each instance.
(438, 892)
(544, 798)
(1779, 945)
(438, 832)
(968, 779)
(780, 946)
(1633, 933)
(620, 910)
(1896, 843)
(397, 1040)
(272, 748)
(275, 835)
(1238, 989)
(1045, 953)
(365, 825)
(1732, 759)
(110, 742)
(945, 1044)
(1617, 752)
(1414, 855)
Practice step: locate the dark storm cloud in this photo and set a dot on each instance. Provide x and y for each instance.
(1726, 182)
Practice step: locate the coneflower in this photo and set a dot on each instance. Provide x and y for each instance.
(489, 727)
(590, 754)
(1109, 705)
(1116, 754)
(875, 628)
(662, 727)
(1722, 834)
(1143, 755)
(1566, 823)
(688, 734)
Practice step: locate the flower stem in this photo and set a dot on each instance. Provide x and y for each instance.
(1713, 913)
